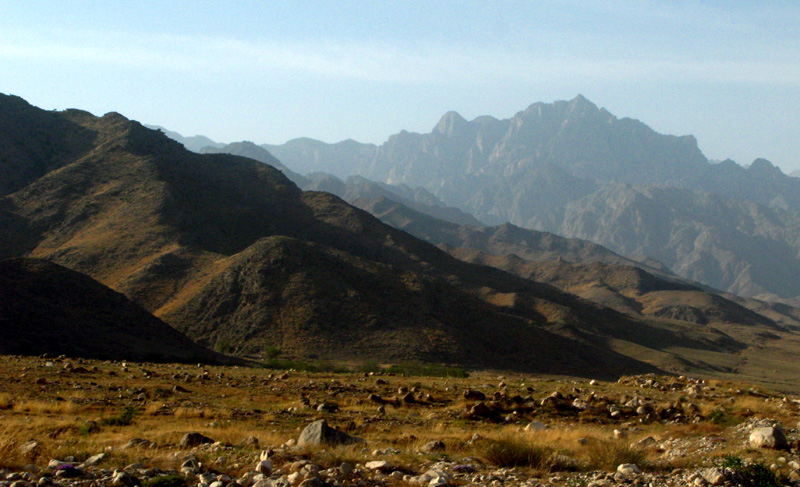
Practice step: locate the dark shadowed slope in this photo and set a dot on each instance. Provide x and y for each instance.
(46, 308)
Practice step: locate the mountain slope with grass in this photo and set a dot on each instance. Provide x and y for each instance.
(232, 253)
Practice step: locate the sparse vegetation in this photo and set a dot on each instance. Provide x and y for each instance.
(166, 481)
(754, 474)
(125, 418)
(230, 404)
(607, 454)
(513, 451)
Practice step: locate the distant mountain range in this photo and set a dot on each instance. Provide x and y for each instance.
(233, 254)
(576, 170)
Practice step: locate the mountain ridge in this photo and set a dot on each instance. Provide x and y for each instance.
(551, 165)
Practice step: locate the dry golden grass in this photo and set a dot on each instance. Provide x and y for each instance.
(43, 407)
(231, 404)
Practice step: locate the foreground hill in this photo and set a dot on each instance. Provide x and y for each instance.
(46, 308)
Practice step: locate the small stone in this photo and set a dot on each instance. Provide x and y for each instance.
(318, 433)
(265, 467)
(193, 439)
(535, 426)
(628, 469)
(312, 482)
(31, 447)
(433, 446)
(295, 478)
(643, 443)
(378, 465)
(714, 476)
(136, 443)
(121, 479)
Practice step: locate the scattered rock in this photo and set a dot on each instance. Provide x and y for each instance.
(319, 433)
(714, 476)
(474, 395)
(249, 442)
(643, 443)
(535, 426)
(264, 467)
(94, 460)
(380, 465)
(136, 443)
(628, 469)
(31, 448)
(191, 440)
(768, 437)
(433, 446)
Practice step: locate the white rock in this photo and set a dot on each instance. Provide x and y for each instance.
(535, 426)
(714, 476)
(768, 437)
(438, 482)
(295, 478)
(94, 460)
(377, 465)
(628, 469)
(439, 472)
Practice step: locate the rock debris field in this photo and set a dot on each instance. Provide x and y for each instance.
(83, 423)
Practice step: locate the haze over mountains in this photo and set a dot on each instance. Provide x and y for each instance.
(230, 252)
(576, 170)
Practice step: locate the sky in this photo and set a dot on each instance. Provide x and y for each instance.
(727, 72)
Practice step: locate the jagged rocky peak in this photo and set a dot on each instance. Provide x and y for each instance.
(582, 105)
(450, 124)
(763, 166)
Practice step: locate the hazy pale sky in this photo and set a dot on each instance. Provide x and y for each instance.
(727, 72)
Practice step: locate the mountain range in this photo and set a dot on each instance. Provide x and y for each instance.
(576, 170)
(230, 252)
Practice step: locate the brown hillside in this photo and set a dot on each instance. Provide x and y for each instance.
(229, 250)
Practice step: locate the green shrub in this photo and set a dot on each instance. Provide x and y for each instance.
(428, 370)
(271, 352)
(753, 474)
(166, 481)
(722, 417)
(124, 419)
